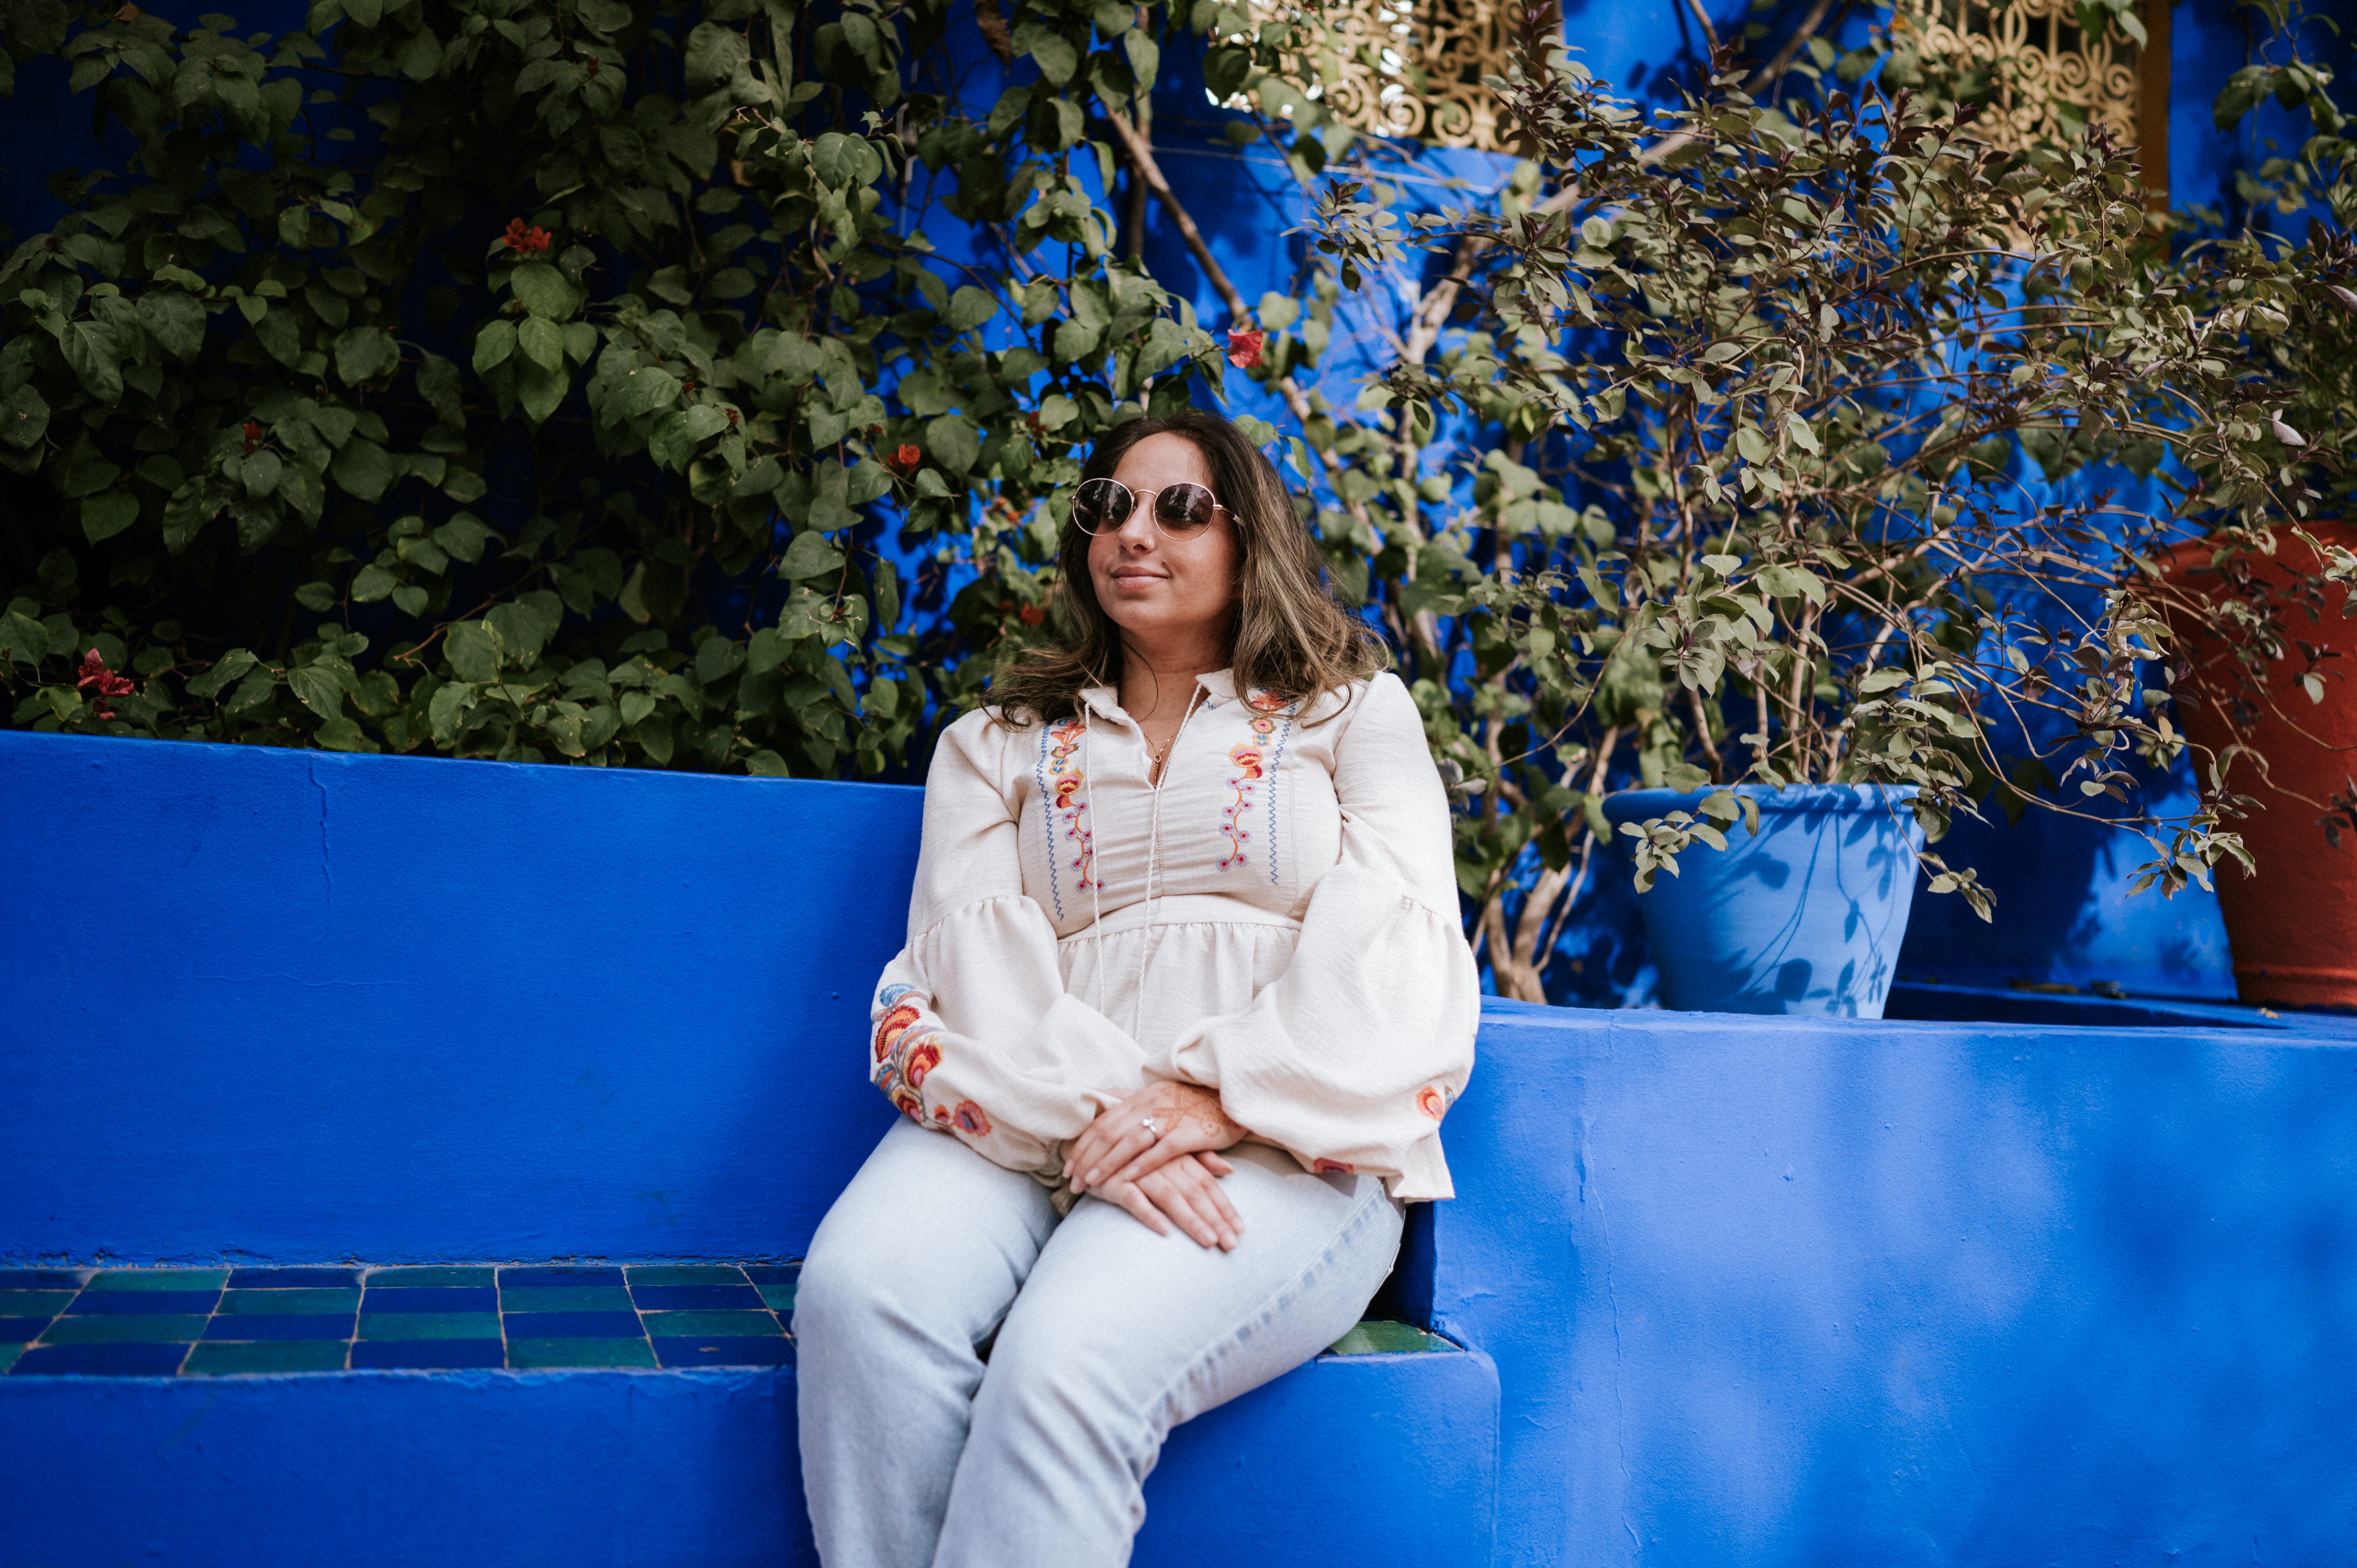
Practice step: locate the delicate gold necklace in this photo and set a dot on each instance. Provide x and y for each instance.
(1153, 763)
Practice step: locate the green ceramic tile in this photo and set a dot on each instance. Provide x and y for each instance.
(685, 1274)
(528, 1354)
(704, 1325)
(115, 1329)
(250, 1300)
(157, 1279)
(430, 1326)
(564, 1298)
(433, 1274)
(213, 1359)
(8, 1354)
(1373, 1338)
(776, 1297)
(33, 1303)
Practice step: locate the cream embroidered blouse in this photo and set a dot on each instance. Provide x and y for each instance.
(1278, 921)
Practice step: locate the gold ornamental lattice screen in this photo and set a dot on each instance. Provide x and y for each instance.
(1414, 68)
(2044, 72)
(1408, 68)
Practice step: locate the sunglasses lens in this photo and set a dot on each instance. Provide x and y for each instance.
(1184, 510)
(1100, 506)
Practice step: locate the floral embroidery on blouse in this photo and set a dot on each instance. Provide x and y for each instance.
(1332, 1167)
(902, 1058)
(1252, 762)
(968, 1118)
(1433, 1100)
(1063, 797)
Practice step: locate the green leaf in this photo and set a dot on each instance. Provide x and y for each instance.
(318, 690)
(464, 537)
(970, 308)
(174, 320)
(1058, 60)
(363, 469)
(675, 439)
(541, 389)
(91, 353)
(543, 342)
(714, 55)
(363, 353)
(952, 443)
(835, 158)
(23, 417)
(104, 516)
(644, 389)
(437, 384)
(1145, 55)
(545, 291)
(373, 583)
(494, 343)
(810, 555)
(473, 650)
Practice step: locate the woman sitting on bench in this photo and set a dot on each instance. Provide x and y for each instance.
(1184, 1000)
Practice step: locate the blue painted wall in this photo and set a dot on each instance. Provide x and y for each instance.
(1781, 1292)
(403, 1009)
(1774, 1291)
(685, 1469)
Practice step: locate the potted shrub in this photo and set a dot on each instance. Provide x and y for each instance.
(2258, 597)
(1766, 378)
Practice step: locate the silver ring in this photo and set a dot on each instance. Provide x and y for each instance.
(1148, 1124)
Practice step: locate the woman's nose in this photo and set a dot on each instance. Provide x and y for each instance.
(1136, 530)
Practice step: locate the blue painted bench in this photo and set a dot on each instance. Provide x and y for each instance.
(2069, 1288)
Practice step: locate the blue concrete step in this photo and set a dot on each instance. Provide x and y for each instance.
(586, 1413)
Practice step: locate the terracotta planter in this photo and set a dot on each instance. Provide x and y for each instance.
(2293, 926)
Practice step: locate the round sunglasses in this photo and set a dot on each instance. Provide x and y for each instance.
(1181, 511)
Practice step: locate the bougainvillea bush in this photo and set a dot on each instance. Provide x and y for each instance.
(526, 379)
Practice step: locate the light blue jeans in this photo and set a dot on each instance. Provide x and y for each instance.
(915, 1454)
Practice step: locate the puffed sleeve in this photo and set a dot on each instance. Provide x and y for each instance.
(970, 1031)
(1351, 1056)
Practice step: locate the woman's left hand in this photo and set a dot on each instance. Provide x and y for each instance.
(1152, 1127)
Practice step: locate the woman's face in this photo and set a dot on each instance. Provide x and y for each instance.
(1166, 593)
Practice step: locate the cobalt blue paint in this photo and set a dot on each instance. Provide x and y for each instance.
(1805, 915)
(1779, 1291)
(1793, 1292)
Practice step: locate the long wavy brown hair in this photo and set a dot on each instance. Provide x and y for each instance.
(1289, 638)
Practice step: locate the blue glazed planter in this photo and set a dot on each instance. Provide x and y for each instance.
(1806, 916)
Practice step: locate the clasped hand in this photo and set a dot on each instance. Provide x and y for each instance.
(1156, 1155)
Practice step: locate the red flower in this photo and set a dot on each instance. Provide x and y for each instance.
(95, 673)
(254, 434)
(904, 460)
(1032, 615)
(1243, 346)
(525, 238)
(732, 417)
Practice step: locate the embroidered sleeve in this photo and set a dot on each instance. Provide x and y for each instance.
(971, 1032)
(1351, 1056)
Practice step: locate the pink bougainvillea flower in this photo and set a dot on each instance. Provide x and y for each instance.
(1243, 346)
(526, 239)
(101, 683)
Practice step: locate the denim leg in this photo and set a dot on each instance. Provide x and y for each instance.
(911, 1268)
(1119, 1335)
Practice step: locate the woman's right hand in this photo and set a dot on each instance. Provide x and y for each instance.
(1184, 1192)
